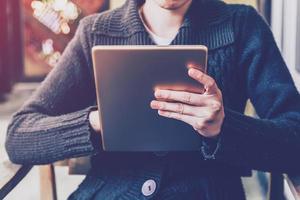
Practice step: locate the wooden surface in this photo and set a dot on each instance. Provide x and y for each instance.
(47, 181)
(79, 166)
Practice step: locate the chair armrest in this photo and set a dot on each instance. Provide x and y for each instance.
(294, 185)
(296, 182)
(10, 176)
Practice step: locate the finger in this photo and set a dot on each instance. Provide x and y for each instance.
(184, 118)
(208, 82)
(181, 108)
(180, 96)
(199, 125)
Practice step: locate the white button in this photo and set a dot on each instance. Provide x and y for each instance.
(148, 187)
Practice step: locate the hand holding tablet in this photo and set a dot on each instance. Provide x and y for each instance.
(203, 111)
(126, 78)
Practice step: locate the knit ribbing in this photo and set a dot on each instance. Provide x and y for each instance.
(206, 28)
(70, 135)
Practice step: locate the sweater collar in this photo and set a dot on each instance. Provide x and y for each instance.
(206, 21)
(125, 20)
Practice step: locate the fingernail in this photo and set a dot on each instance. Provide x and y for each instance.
(152, 104)
(191, 71)
(155, 104)
(157, 93)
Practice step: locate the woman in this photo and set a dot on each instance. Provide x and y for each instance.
(60, 120)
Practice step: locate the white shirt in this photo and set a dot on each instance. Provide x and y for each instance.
(156, 39)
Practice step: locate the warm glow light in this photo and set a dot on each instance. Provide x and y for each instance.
(37, 5)
(47, 47)
(55, 14)
(49, 18)
(37, 12)
(59, 5)
(70, 11)
(54, 58)
(65, 28)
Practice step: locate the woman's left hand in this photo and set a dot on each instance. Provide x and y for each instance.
(204, 112)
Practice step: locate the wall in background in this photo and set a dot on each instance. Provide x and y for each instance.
(298, 40)
(115, 3)
(248, 2)
(286, 28)
(11, 62)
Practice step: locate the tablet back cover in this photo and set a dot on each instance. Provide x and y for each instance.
(126, 77)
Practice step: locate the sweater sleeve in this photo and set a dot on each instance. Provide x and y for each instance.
(53, 125)
(272, 142)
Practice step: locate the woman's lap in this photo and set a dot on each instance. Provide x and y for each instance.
(171, 188)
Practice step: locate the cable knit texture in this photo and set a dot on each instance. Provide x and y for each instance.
(246, 64)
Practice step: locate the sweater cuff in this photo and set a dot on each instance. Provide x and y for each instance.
(231, 132)
(223, 147)
(82, 140)
(210, 148)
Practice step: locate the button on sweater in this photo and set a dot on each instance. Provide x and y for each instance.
(245, 63)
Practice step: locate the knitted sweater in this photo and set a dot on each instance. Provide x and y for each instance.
(244, 61)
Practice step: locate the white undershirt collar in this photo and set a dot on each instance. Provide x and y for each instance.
(156, 39)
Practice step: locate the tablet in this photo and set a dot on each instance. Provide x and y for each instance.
(126, 77)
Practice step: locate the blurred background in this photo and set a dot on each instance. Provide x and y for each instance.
(33, 36)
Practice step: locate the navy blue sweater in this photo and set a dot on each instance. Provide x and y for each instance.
(243, 59)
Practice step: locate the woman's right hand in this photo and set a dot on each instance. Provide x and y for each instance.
(95, 121)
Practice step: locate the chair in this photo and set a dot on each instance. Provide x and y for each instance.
(13, 174)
